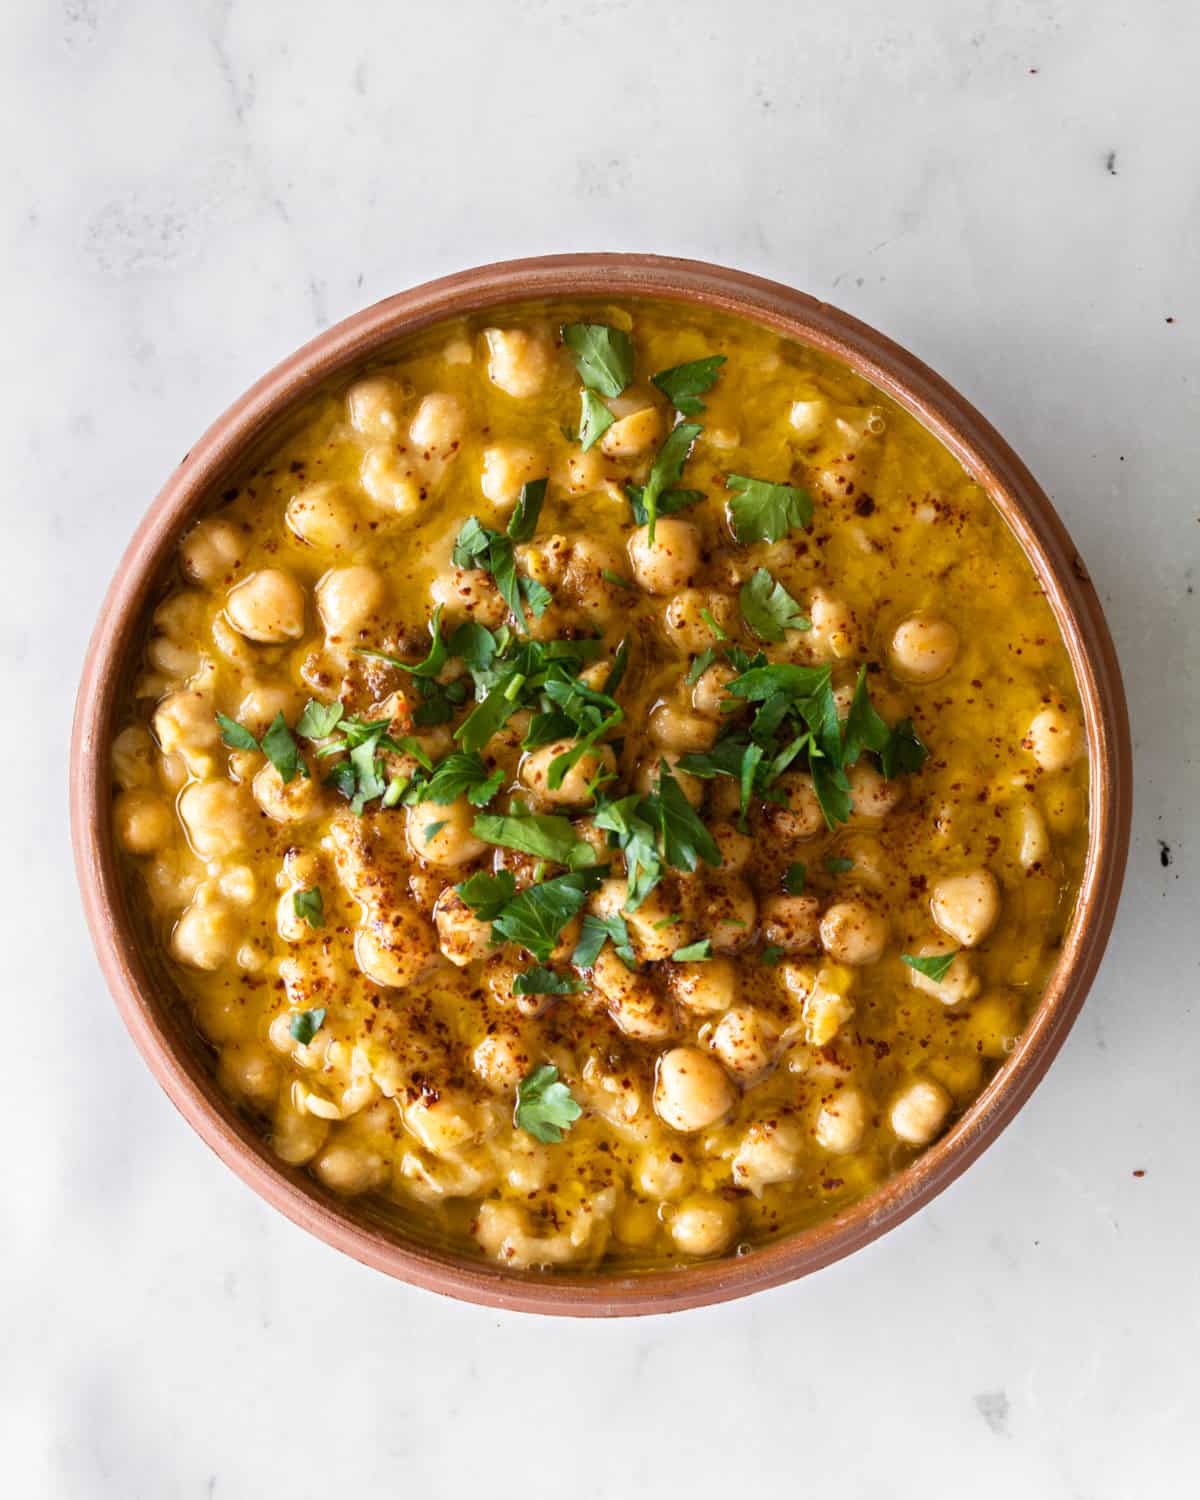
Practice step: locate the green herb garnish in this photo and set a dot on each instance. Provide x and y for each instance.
(666, 470)
(309, 905)
(534, 919)
(794, 878)
(305, 1025)
(763, 512)
(693, 953)
(545, 1108)
(683, 384)
(603, 356)
(543, 981)
(595, 419)
(935, 967)
(768, 608)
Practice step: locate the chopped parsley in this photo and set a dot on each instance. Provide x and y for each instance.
(488, 895)
(535, 917)
(462, 773)
(763, 512)
(305, 1024)
(838, 865)
(523, 522)
(547, 836)
(595, 933)
(545, 1108)
(236, 735)
(666, 470)
(936, 967)
(542, 981)
(603, 356)
(594, 421)
(693, 953)
(768, 608)
(684, 384)
(310, 906)
(794, 878)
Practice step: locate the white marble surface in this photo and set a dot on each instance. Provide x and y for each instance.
(192, 188)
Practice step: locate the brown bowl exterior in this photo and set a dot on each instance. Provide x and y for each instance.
(159, 1030)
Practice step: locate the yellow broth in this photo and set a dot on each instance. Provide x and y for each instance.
(722, 1101)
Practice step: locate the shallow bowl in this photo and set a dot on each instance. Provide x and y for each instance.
(160, 1028)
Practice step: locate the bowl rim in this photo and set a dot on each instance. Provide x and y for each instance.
(942, 411)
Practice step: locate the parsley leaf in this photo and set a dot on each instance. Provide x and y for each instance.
(305, 1025)
(768, 608)
(904, 754)
(309, 905)
(764, 512)
(936, 967)
(236, 735)
(596, 931)
(542, 981)
(536, 916)
(544, 835)
(488, 895)
(833, 791)
(595, 420)
(686, 841)
(700, 665)
(490, 716)
(666, 469)
(668, 502)
(771, 955)
(864, 729)
(462, 772)
(682, 384)
(603, 356)
(838, 865)
(523, 521)
(545, 1108)
(319, 720)
(628, 822)
(491, 551)
(280, 748)
(693, 953)
(794, 878)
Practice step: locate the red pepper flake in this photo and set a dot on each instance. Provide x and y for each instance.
(1141, 1172)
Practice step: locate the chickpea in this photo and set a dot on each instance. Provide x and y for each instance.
(251, 1071)
(322, 516)
(709, 696)
(462, 936)
(919, 1111)
(842, 1122)
(684, 620)
(374, 404)
(709, 987)
(214, 815)
(769, 1152)
(518, 361)
(958, 983)
(349, 599)
(577, 786)
(1033, 837)
(1055, 739)
(703, 1224)
(745, 1041)
(132, 758)
(634, 434)
(296, 802)
(394, 950)
(211, 552)
(799, 817)
(185, 722)
(469, 594)
(649, 770)
(440, 833)
(792, 923)
(349, 1170)
(144, 822)
(297, 1136)
(662, 1173)
(500, 1061)
(268, 606)
(633, 1003)
(446, 1124)
(674, 727)
(834, 635)
(824, 998)
(923, 648)
(736, 847)
(853, 932)
(872, 795)
(178, 624)
(654, 929)
(263, 702)
(691, 1091)
(808, 418)
(966, 907)
(506, 468)
(392, 480)
(205, 936)
(671, 561)
(438, 427)
(732, 912)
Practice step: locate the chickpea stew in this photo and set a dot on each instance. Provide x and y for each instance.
(609, 786)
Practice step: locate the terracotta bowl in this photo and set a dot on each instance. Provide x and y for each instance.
(159, 1027)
